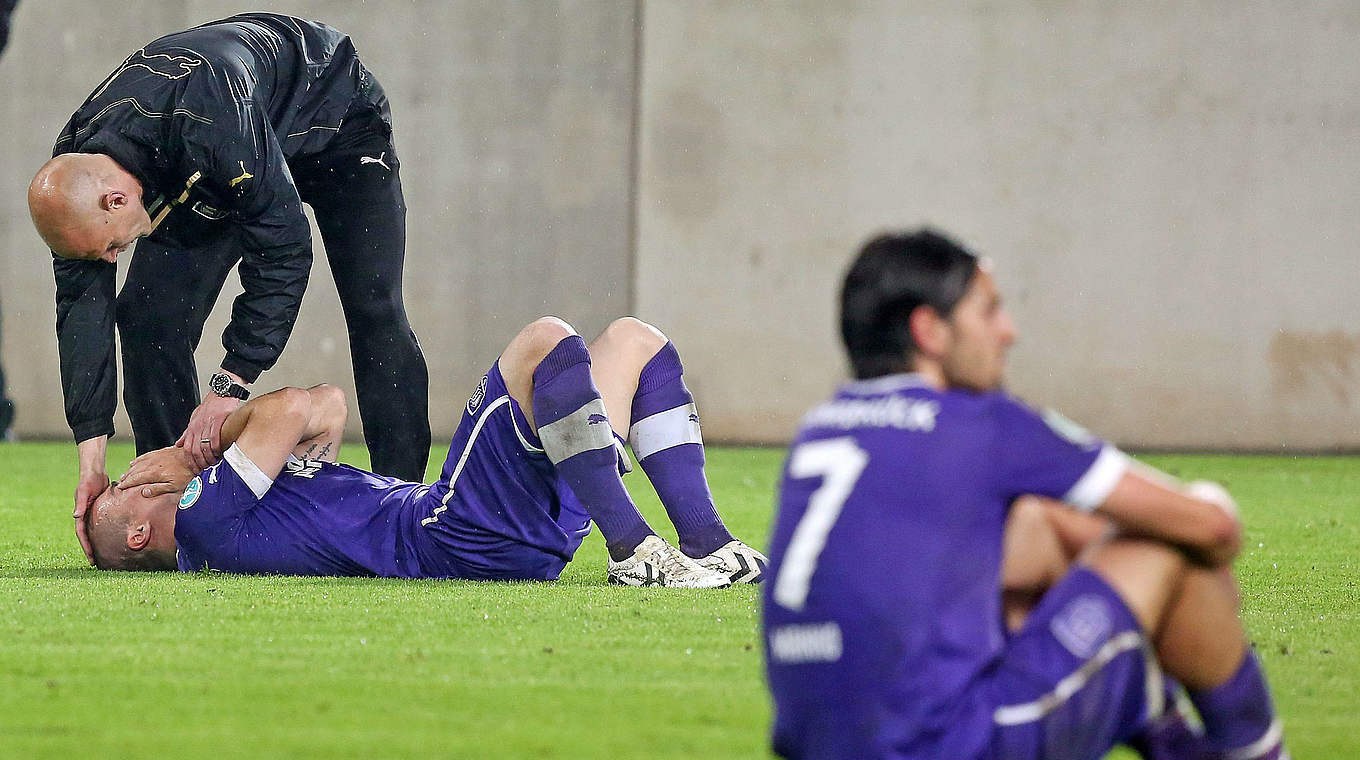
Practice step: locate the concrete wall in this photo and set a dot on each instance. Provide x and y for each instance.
(515, 129)
(1169, 192)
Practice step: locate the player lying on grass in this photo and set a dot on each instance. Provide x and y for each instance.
(537, 456)
(885, 626)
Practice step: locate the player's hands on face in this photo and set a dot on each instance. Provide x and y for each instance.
(202, 439)
(160, 472)
(88, 488)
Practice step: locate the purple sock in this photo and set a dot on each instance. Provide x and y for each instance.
(578, 440)
(1238, 715)
(665, 438)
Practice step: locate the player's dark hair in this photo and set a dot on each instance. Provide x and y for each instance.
(893, 274)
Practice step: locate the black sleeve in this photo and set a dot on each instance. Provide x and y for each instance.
(244, 163)
(85, 320)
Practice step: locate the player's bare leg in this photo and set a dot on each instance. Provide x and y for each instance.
(1191, 613)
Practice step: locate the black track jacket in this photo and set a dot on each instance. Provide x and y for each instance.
(207, 119)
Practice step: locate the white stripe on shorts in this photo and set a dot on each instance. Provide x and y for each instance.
(1028, 712)
(1262, 746)
(462, 459)
(664, 430)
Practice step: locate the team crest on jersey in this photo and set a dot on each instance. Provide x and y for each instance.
(208, 212)
(1068, 430)
(191, 493)
(304, 468)
(478, 396)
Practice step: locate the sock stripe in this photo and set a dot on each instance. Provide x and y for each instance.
(585, 429)
(664, 430)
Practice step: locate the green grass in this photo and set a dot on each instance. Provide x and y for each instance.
(120, 665)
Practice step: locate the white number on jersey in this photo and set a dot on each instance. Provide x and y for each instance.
(838, 462)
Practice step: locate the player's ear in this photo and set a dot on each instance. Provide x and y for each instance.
(138, 535)
(929, 331)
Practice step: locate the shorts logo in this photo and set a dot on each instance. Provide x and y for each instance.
(478, 396)
(191, 493)
(1083, 625)
(596, 419)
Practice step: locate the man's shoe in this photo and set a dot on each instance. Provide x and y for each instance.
(657, 563)
(739, 562)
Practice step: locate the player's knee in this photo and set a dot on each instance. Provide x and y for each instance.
(332, 398)
(541, 335)
(635, 334)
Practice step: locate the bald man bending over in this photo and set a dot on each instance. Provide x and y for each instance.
(206, 143)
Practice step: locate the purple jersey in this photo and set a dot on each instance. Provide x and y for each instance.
(884, 607)
(315, 518)
(499, 510)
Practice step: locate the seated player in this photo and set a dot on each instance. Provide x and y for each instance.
(886, 632)
(537, 456)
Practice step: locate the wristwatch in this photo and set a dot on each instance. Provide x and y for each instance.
(222, 385)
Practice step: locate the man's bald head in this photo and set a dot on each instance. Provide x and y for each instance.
(130, 532)
(86, 206)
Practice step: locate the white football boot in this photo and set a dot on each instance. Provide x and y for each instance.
(657, 563)
(739, 562)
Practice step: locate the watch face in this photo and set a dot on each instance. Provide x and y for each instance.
(220, 384)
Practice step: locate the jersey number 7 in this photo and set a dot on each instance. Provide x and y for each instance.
(839, 462)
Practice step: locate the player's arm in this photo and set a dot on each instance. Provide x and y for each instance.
(276, 425)
(89, 380)
(247, 168)
(1201, 519)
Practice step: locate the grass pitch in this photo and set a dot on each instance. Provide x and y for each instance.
(205, 665)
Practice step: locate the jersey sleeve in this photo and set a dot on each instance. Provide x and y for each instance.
(243, 163)
(85, 343)
(1045, 454)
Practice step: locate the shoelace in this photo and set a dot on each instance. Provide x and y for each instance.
(676, 565)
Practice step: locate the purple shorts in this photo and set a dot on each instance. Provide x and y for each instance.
(1076, 680)
(498, 510)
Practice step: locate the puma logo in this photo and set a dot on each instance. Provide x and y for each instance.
(245, 175)
(160, 64)
(371, 160)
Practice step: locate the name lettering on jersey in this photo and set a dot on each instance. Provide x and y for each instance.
(245, 175)
(191, 493)
(304, 468)
(890, 411)
(806, 642)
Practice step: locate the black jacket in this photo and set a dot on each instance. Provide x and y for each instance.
(207, 120)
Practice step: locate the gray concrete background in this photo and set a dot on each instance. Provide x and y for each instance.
(1169, 192)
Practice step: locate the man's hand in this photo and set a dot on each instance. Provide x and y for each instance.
(201, 440)
(160, 472)
(92, 481)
